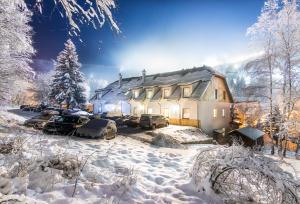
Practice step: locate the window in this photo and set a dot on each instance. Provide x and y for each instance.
(215, 113)
(136, 94)
(224, 95)
(150, 110)
(216, 93)
(185, 113)
(223, 113)
(186, 92)
(165, 112)
(166, 93)
(149, 94)
(135, 111)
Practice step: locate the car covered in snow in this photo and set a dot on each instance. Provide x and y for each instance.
(132, 121)
(52, 111)
(64, 124)
(38, 121)
(98, 128)
(153, 121)
(76, 112)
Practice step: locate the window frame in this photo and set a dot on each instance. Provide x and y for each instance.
(189, 92)
(183, 113)
(164, 92)
(223, 112)
(136, 93)
(215, 113)
(224, 95)
(216, 94)
(147, 93)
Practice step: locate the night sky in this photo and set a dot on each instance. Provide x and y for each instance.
(158, 35)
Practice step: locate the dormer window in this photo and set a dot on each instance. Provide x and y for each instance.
(166, 93)
(216, 94)
(136, 94)
(149, 94)
(186, 92)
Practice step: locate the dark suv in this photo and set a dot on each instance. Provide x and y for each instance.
(64, 124)
(153, 121)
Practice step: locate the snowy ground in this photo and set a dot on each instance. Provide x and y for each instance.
(184, 134)
(122, 170)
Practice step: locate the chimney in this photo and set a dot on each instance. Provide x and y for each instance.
(120, 79)
(143, 75)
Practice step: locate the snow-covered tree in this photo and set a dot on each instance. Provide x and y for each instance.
(15, 47)
(288, 39)
(87, 11)
(67, 86)
(263, 33)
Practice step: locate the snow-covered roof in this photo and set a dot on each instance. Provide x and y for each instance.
(181, 77)
(198, 77)
(114, 92)
(251, 133)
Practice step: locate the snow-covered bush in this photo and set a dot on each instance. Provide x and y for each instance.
(240, 175)
(164, 140)
(125, 181)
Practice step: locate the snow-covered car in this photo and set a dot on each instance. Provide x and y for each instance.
(153, 121)
(132, 121)
(76, 112)
(64, 124)
(38, 121)
(98, 128)
(52, 111)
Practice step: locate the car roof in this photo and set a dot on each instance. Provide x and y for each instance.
(96, 123)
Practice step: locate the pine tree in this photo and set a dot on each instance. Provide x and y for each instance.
(67, 85)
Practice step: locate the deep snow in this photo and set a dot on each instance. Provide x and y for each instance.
(122, 170)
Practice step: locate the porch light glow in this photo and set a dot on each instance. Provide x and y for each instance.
(175, 108)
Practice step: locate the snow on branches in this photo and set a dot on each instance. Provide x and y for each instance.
(90, 11)
(67, 85)
(15, 46)
(240, 175)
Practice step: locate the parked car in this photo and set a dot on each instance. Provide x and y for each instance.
(153, 121)
(28, 108)
(52, 111)
(23, 106)
(76, 112)
(64, 124)
(98, 128)
(132, 121)
(38, 121)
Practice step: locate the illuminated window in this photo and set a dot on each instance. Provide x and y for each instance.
(215, 112)
(223, 113)
(224, 95)
(135, 111)
(166, 93)
(136, 94)
(216, 93)
(185, 113)
(165, 112)
(150, 111)
(186, 92)
(149, 94)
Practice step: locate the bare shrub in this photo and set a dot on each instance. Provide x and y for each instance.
(124, 181)
(240, 175)
(68, 164)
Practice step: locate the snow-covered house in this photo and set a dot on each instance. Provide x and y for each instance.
(113, 98)
(197, 97)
